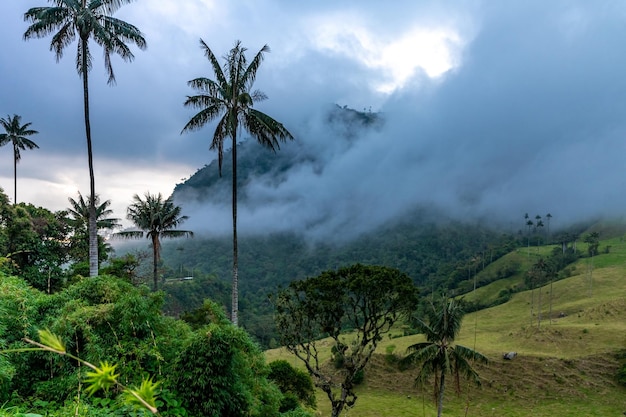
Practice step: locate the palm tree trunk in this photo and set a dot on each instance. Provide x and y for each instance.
(550, 312)
(539, 309)
(532, 302)
(93, 229)
(156, 257)
(235, 293)
(442, 386)
(14, 174)
(591, 278)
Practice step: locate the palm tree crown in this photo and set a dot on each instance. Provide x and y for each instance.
(79, 221)
(439, 355)
(16, 133)
(156, 218)
(229, 99)
(90, 19)
(80, 214)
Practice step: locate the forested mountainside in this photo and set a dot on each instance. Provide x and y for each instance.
(434, 255)
(255, 162)
(438, 252)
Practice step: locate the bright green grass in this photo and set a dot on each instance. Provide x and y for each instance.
(593, 303)
(372, 403)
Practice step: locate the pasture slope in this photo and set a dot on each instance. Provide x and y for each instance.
(566, 365)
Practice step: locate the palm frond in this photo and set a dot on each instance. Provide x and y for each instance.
(211, 109)
(208, 86)
(222, 131)
(268, 131)
(16, 133)
(82, 50)
(217, 69)
(64, 37)
(79, 213)
(249, 76)
(45, 20)
(176, 233)
(130, 234)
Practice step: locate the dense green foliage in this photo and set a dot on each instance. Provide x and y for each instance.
(295, 384)
(106, 320)
(36, 241)
(434, 254)
(221, 372)
(101, 319)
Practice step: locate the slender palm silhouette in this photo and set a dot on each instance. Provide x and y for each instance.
(17, 134)
(89, 19)
(229, 98)
(157, 218)
(439, 355)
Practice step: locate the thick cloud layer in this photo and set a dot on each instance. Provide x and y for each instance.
(492, 109)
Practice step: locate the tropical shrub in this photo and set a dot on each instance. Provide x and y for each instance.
(100, 319)
(295, 384)
(222, 372)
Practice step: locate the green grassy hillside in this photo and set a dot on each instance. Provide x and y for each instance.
(566, 366)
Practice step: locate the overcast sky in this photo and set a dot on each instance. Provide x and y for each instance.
(491, 108)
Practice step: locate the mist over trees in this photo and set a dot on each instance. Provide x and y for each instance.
(336, 260)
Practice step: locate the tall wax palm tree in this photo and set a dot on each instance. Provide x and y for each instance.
(16, 133)
(90, 20)
(439, 355)
(157, 218)
(229, 99)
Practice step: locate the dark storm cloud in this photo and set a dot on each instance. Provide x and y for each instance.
(531, 121)
(528, 119)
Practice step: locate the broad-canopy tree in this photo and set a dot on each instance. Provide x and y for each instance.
(90, 20)
(34, 239)
(230, 100)
(438, 355)
(156, 218)
(354, 306)
(17, 134)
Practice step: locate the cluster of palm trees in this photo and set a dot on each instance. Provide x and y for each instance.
(229, 99)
